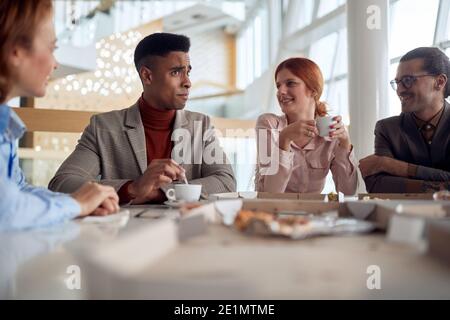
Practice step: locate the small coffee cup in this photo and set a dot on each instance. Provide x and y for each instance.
(323, 125)
(184, 192)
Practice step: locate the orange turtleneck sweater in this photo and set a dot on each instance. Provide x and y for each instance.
(158, 125)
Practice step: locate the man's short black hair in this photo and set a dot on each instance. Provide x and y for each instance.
(434, 62)
(159, 44)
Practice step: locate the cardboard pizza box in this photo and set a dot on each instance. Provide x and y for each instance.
(268, 195)
(395, 196)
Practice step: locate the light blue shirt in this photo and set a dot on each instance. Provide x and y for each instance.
(23, 206)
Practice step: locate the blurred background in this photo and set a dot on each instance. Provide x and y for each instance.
(236, 45)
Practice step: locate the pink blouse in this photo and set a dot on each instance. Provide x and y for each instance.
(300, 170)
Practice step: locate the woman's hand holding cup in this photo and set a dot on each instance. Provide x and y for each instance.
(301, 131)
(335, 129)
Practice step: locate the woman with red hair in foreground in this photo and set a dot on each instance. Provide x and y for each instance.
(292, 157)
(27, 40)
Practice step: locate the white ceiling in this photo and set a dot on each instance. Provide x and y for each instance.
(81, 23)
(199, 18)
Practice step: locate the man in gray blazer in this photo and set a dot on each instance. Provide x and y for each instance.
(412, 150)
(144, 148)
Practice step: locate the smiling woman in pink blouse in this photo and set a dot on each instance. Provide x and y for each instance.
(292, 157)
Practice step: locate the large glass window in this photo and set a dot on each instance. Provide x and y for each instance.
(394, 102)
(326, 6)
(323, 53)
(337, 99)
(413, 24)
(307, 8)
(448, 25)
(330, 53)
(340, 67)
(253, 49)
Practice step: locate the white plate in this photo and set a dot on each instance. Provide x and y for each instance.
(174, 204)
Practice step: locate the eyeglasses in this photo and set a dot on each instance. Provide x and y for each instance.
(408, 81)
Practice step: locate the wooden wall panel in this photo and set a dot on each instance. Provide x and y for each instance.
(53, 120)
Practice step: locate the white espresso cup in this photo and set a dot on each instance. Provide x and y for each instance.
(323, 125)
(184, 192)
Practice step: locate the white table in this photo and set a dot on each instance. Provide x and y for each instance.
(220, 264)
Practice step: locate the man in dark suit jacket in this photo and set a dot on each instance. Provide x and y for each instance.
(412, 150)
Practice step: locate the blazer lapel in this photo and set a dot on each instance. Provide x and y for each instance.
(181, 122)
(136, 135)
(441, 135)
(416, 144)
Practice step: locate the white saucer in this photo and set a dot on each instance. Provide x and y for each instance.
(174, 204)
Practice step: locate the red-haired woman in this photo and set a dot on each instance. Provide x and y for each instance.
(292, 157)
(27, 40)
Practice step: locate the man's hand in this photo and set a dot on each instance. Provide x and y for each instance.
(159, 173)
(371, 165)
(374, 164)
(96, 199)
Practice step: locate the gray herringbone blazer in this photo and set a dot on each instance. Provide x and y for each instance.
(112, 150)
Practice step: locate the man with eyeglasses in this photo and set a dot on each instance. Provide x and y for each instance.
(412, 150)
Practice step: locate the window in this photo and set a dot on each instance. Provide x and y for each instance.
(448, 25)
(323, 53)
(253, 49)
(341, 67)
(394, 102)
(306, 14)
(413, 24)
(330, 53)
(326, 6)
(337, 99)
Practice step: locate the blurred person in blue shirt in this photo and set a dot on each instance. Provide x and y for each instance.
(27, 40)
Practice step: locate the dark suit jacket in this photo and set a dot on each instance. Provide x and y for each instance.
(398, 137)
